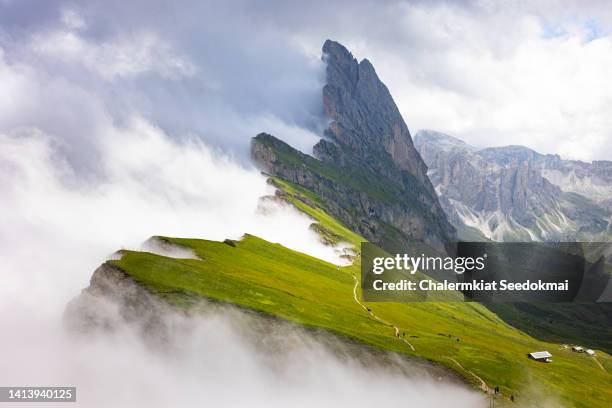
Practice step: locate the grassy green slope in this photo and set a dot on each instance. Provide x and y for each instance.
(272, 279)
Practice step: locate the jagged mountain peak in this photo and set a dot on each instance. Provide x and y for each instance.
(369, 173)
(336, 53)
(365, 119)
(333, 49)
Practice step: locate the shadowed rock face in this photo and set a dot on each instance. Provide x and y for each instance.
(366, 171)
(515, 193)
(113, 298)
(365, 120)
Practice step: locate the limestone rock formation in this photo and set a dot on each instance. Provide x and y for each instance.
(367, 170)
(514, 193)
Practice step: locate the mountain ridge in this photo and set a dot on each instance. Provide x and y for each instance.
(356, 192)
(366, 167)
(515, 193)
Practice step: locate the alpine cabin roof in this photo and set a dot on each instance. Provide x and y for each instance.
(538, 355)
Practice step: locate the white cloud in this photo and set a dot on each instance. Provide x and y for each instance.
(126, 57)
(222, 359)
(131, 181)
(55, 224)
(72, 19)
(494, 74)
(488, 72)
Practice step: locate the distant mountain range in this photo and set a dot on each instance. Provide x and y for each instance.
(513, 193)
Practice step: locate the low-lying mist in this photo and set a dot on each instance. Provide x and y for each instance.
(223, 357)
(57, 229)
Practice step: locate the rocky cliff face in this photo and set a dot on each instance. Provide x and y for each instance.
(367, 170)
(366, 123)
(591, 180)
(515, 193)
(112, 300)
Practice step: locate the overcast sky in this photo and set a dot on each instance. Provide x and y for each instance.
(491, 73)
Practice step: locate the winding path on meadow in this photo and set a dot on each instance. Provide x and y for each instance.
(371, 313)
(483, 385)
(600, 365)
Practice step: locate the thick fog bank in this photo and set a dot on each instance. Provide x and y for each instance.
(223, 357)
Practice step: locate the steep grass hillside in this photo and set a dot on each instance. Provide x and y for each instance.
(467, 337)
